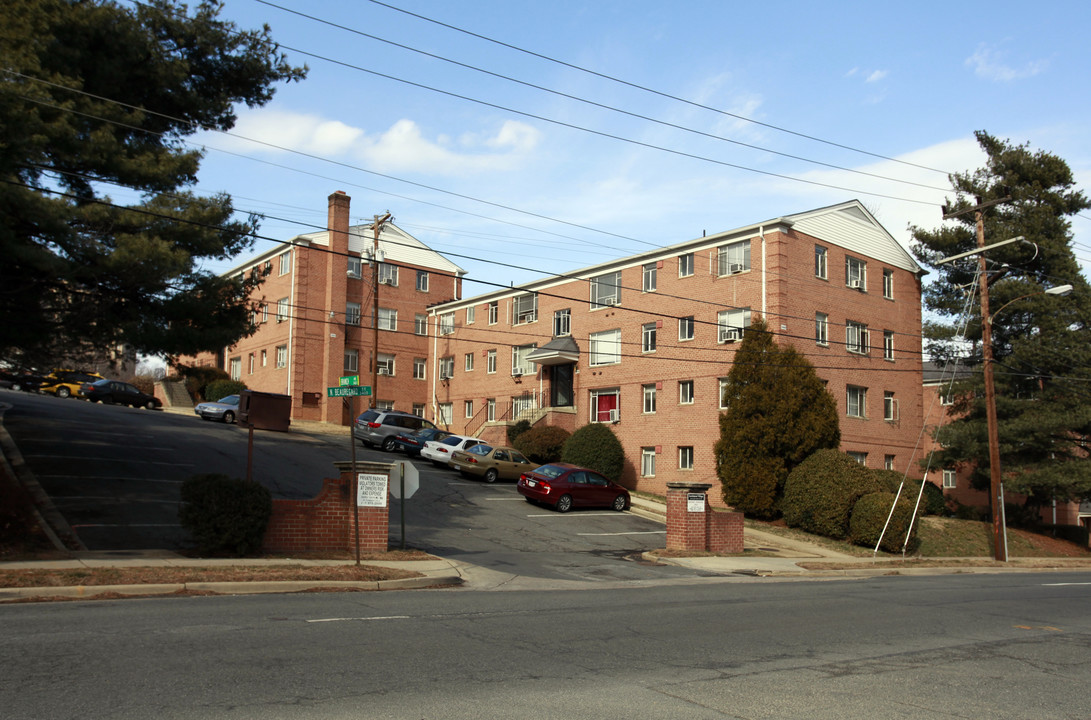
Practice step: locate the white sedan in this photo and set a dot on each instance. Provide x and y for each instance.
(439, 451)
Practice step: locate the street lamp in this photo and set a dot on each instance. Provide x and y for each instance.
(996, 484)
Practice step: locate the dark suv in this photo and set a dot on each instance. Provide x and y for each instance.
(379, 427)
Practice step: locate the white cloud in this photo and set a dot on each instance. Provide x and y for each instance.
(988, 63)
(876, 76)
(305, 133)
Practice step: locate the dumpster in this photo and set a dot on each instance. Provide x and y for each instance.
(265, 411)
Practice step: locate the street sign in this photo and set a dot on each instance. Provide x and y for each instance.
(412, 479)
(370, 490)
(349, 380)
(348, 391)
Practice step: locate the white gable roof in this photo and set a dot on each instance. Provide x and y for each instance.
(395, 246)
(851, 226)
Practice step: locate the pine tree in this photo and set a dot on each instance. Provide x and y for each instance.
(778, 413)
(95, 97)
(1041, 345)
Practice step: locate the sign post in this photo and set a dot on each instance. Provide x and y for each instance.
(409, 481)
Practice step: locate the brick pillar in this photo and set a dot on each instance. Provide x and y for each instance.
(687, 530)
(374, 521)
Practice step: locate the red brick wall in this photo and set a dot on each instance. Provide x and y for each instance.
(719, 532)
(325, 523)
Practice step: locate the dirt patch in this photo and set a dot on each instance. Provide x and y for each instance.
(76, 577)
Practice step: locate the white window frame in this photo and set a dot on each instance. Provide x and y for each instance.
(446, 323)
(685, 457)
(562, 322)
(857, 338)
(388, 274)
(468, 365)
(494, 312)
(388, 319)
(734, 319)
(648, 337)
(822, 329)
(490, 362)
(890, 407)
(649, 392)
(282, 356)
(422, 280)
(282, 309)
(606, 290)
(685, 265)
(685, 392)
(471, 315)
(285, 262)
(733, 258)
(519, 363)
(647, 462)
(446, 367)
(420, 368)
(722, 387)
(524, 309)
(355, 268)
(601, 393)
(420, 324)
(888, 283)
(685, 328)
(490, 411)
(235, 368)
(384, 364)
(264, 358)
(855, 273)
(860, 457)
(856, 401)
(605, 348)
(649, 272)
(352, 313)
(445, 413)
(821, 262)
(888, 461)
(352, 360)
(888, 345)
(950, 479)
(468, 408)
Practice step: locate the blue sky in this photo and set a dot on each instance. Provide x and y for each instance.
(513, 179)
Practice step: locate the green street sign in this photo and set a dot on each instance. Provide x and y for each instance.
(348, 391)
(349, 380)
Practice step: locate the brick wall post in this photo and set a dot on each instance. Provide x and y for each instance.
(692, 525)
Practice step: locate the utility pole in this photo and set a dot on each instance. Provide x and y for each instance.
(376, 227)
(996, 484)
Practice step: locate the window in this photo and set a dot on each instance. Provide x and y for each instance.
(420, 324)
(519, 363)
(418, 409)
(685, 265)
(731, 323)
(950, 480)
(385, 364)
(888, 344)
(355, 268)
(388, 319)
(723, 394)
(264, 313)
(946, 399)
(490, 362)
(523, 404)
(606, 347)
(494, 311)
(649, 277)
(352, 313)
(856, 337)
(685, 392)
(446, 323)
(685, 328)
(282, 356)
(820, 262)
(282, 309)
(251, 359)
(388, 274)
(888, 283)
(469, 361)
(386, 405)
(890, 407)
(446, 367)
(685, 457)
(525, 309)
(422, 280)
(733, 258)
(469, 408)
(562, 322)
(606, 290)
(420, 368)
(285, 262)
(856, 273)
(605, 406)
(471, 315)
(888, 462)
(264, 358)
(649, 398)
(647, 337)
(857, 401)
(647, 462)
(860, 457)
(490, 409)
(352, 361)
(822, 328)
(445, 413)
(235, 366)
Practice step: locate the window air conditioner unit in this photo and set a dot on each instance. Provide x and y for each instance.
(610, 301)
(280, 319)
(384, 371)
(517, 373)
(444, 376)
(729, 335)
(735, 268)
(854, 284)
(615, 415)
(386, 281)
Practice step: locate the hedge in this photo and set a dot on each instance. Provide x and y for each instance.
(542, 444)
(595, 446)
(869, 516)
(225, 516)
(821, 491)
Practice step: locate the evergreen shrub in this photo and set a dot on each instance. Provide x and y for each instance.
(198, 378)
(596, 447)
(1073, 533)
(542, 444)
(226, 516)
(222, 388)
(514, 431)
(821, 491)
(869, 515)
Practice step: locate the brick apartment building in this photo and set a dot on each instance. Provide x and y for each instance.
(645, 342)
(315, 321)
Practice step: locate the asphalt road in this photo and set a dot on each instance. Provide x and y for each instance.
(115, 475)
(1000, 647)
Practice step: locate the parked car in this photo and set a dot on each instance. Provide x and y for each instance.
(65, 383)
(439, 451)
(565, 486)
(23, 379)
(490, 463)
(226, 409)
(120, 393)
(378, 428)
(412, 443)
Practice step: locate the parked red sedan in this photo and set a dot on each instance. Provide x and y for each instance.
(565, 486)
